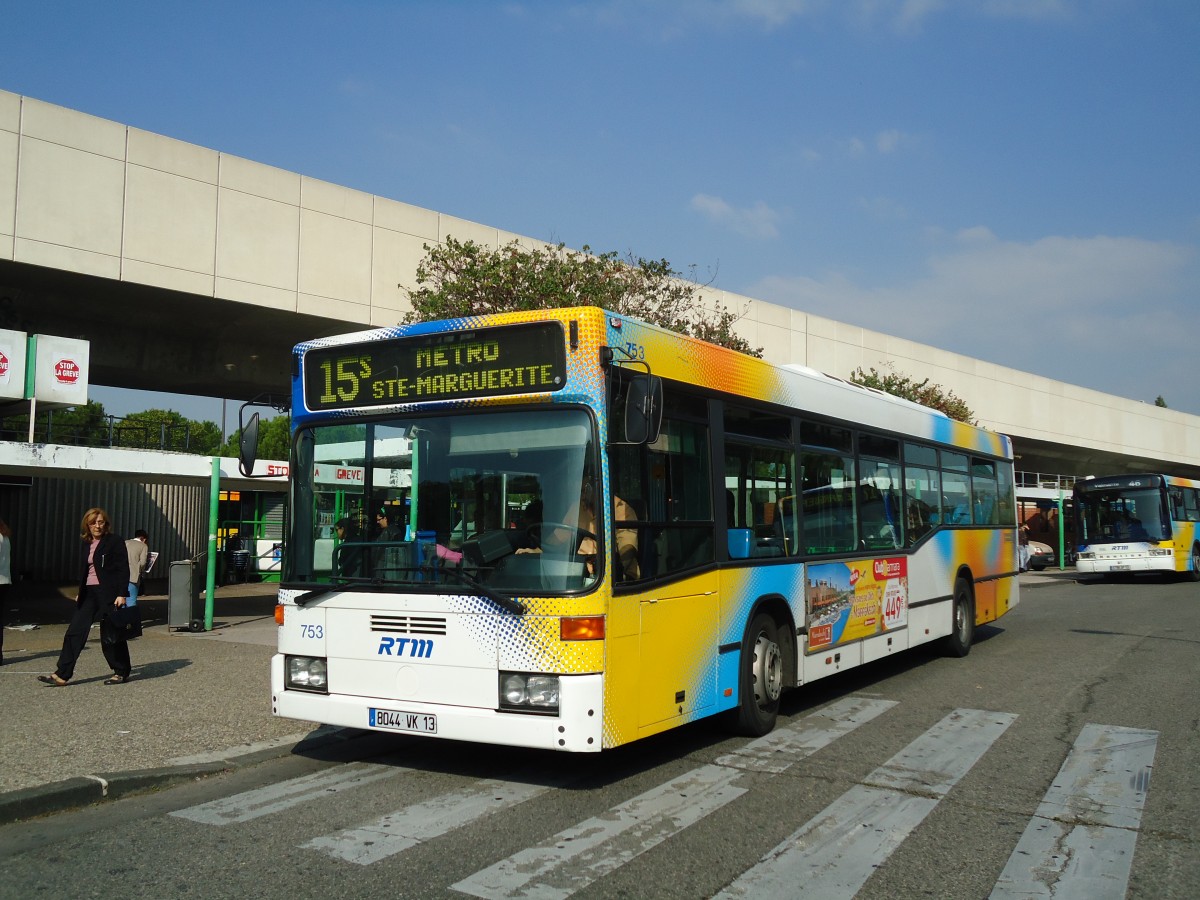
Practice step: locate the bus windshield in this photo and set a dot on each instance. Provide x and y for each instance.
(502, 500)
(1122, 514)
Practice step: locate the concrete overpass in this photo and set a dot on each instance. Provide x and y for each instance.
(194, 271)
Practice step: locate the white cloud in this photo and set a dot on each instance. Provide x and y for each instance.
(1112, 313)
(1028, 9)
(758, 221)
(889, 141)
(884, 143)
(773, 13)
(883, 209)
(904, 16)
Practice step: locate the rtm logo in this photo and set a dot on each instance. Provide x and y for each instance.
(418, 648)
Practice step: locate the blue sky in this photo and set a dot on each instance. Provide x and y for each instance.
(1017, 180)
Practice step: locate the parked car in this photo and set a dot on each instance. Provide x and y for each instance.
(1040, 556)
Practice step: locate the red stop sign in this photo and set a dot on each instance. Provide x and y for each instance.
(66, 371)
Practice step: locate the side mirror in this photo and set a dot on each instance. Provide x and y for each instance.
(248, 445)
(643, 410)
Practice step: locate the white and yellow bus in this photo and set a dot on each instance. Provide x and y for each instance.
(569, 529)
(1137, 523)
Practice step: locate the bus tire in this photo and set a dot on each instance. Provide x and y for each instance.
(1194, 574)
(761, 678)
(962, 626)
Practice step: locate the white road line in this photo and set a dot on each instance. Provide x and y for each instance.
(1081, 840)
(396, 832)
(835, 852)
(577, 857)
(784, 747)
(276, 797)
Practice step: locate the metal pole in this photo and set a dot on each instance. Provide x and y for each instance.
(1062, 539)
(214, 506)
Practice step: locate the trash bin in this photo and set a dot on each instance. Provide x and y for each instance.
(184, 609)
(239, 566)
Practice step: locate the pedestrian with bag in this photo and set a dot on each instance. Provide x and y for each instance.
(139, 559)
(103, 587)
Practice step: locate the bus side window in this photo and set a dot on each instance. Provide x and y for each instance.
(922, 491)
(759, 467)
(1178, 505)
(666, 487)
(828, 478)
(1192, 504)
(983, 491)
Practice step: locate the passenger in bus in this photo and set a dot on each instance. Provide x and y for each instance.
(918, 521)
(1130, 528)
(349, 558)
(552, 537)
(628, 568)
(387, 558)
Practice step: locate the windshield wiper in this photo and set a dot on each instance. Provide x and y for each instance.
(355, 583)
(375, 584)
(501, 600)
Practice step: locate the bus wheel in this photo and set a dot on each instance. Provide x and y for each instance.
(761, 678)
(963, 628)
(1194, 575)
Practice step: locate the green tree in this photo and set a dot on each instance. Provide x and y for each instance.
(85, 425)
(1159, 401)
(931, 395)
(462, 278)
(168, 430)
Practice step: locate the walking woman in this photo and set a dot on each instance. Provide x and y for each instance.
(103, 584)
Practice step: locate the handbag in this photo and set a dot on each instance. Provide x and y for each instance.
(126, 621)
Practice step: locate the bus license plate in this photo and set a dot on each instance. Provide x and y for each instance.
(1120, 568)
(398, 720)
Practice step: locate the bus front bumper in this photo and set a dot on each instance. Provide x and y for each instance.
(1099, 563)
(577, 727)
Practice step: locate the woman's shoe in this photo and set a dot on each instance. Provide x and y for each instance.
(117, 679)
(53, 679)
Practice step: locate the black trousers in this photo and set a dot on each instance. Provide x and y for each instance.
(3, 607)
(116, 651)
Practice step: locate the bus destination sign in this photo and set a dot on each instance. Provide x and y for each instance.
(453, 365)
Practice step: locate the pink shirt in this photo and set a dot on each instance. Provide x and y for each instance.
(92, 578)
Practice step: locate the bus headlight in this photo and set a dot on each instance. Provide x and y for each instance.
(521, 692)
(1161, 551)
(306, 673)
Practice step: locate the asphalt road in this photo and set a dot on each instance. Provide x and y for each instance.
(1072, 723)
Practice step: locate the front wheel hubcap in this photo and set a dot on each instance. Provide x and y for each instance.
(768, 671)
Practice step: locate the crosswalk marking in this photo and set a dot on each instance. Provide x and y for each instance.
(575, 858)
(783, 747)
(277, 797)
(1081, 840)
(397, 831)
(835, 852)
(1079, 844)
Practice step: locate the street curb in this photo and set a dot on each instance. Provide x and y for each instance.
(58, 796)
(1046, 581)
(85, 790)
